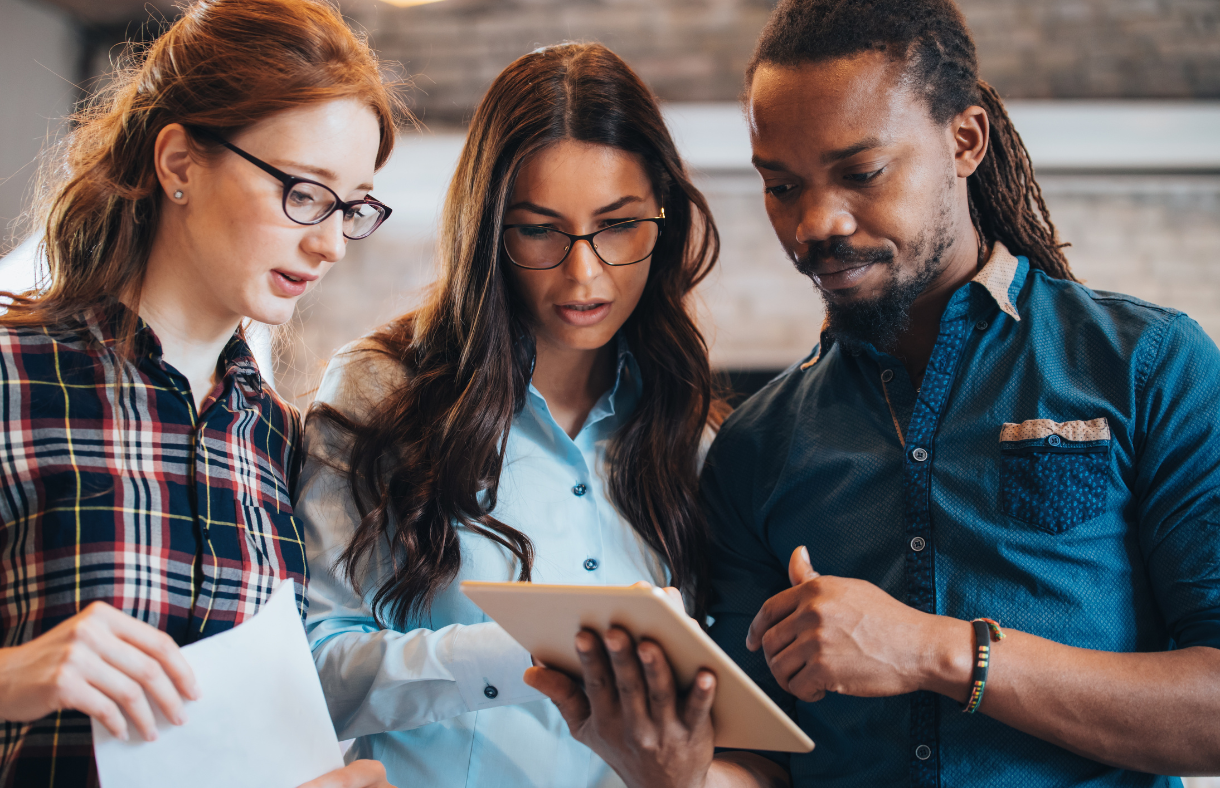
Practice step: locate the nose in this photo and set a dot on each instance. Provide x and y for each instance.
(325, 240)
(582, 265)
(823, 216)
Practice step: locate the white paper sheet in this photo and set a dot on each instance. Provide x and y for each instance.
(262, 721)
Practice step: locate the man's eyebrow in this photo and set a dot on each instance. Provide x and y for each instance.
(318, 172)
(830, 157)
(766, 164)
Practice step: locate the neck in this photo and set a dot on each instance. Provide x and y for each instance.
(193, 333)
(914, 346)
(571, 381)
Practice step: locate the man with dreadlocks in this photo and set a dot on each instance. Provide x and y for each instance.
(1009, 483)
(977, 436)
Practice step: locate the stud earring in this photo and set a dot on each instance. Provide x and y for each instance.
(178, 195)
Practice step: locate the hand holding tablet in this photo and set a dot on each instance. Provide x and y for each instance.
(545, 619)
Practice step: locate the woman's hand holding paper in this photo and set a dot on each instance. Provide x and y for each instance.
(101, 662)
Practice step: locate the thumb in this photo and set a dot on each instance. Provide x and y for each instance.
(799, 568)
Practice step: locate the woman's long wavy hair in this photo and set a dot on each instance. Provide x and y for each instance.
(931, 37)
(222, 66)
(428, 460)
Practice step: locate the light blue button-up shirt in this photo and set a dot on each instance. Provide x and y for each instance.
(443, 702)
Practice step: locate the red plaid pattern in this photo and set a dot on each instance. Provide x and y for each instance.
(113, 488)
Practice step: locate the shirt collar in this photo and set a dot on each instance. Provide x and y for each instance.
(236, 360)
(622, 396)
(1002, 277)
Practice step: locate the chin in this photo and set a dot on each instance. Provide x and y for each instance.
(587, 339)
(272, 314)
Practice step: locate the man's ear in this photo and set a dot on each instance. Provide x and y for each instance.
(174, 164)
(971, 130)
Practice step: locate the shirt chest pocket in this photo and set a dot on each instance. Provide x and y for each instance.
(1054, 475)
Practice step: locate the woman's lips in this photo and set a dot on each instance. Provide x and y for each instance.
(583, 314)
(289, 285)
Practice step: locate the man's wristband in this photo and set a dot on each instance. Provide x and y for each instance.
(985, 631)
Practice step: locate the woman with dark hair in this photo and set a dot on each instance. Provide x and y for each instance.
(147, 468)
(540, 418)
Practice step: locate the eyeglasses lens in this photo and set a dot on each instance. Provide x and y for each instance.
(621, 244)
(361, 219)
(309, 203)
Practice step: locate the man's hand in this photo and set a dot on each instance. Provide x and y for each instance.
(631, 713)
(837, 634)
(102, 662)
(357, 774)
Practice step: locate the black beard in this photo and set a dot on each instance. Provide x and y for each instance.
(881, 320)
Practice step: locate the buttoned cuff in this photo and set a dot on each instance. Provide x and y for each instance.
(488, 666)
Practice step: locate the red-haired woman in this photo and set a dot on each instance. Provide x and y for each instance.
(146, 472)
(540, 418)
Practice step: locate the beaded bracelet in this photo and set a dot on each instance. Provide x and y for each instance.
(985, 632)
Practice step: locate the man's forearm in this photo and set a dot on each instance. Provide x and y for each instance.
(1151, 712)
(745, 770)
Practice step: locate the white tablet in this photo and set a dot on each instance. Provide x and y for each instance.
(545, 619)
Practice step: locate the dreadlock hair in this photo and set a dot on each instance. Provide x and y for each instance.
(931, 38)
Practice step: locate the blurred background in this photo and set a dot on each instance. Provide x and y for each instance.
(1118, 101)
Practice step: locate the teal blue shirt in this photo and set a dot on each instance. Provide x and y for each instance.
(1058, 470)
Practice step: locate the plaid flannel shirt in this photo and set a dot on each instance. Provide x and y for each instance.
(124, 494)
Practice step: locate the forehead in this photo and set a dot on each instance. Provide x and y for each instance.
(579, 165)
(833, 104)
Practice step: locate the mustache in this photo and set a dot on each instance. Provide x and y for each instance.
(840, 252)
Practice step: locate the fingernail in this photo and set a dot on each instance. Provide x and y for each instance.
(124, 735)
(705, 682)
(181, 719)
(805, 555)
(582, 643)
(645, 656)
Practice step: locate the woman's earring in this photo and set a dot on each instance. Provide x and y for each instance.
(178, 195)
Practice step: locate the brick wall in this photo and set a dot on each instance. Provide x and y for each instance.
(696, 50)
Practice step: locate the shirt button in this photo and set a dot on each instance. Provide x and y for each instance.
(1054, 440)
(579, 490)
(887, 376)
(923, 752)
(591, 564)
(919, 455)
(918, 544)
(982, 325)
(491, 692)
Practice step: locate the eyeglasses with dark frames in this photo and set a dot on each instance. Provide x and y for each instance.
(539, 247)
(309, 202)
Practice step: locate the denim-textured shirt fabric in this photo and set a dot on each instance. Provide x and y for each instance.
(1058, 470)
(442, 702)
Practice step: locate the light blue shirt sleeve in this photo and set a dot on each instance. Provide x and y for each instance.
(380, 679)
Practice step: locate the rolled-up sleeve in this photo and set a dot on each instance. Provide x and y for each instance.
(378, 679)
(1177, 482)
